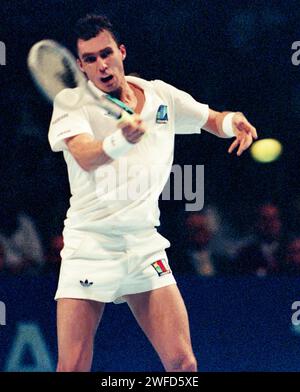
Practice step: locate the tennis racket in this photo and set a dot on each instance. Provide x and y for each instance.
(54, 69)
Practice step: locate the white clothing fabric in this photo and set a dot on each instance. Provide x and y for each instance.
(111, 247)
(106, 267)
(124, 193)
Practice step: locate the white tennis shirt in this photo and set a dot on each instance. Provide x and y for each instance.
(123, 195)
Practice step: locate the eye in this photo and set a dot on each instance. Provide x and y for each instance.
(90, 59)
(106, 53)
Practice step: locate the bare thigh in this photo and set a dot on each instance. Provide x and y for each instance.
(162, 315)
(77, 322)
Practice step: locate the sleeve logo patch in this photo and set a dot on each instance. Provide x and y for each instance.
(161, 267)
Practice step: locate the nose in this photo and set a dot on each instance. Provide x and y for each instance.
(101, 64)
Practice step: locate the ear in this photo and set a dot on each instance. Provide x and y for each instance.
(79, 63)
(123, 51)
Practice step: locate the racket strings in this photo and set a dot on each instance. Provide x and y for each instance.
(55, 70)
(68, 78)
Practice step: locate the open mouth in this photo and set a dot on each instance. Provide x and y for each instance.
(107, 79)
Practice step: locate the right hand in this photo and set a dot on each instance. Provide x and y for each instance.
(134, 129)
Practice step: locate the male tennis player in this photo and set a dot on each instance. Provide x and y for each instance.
(112, 251)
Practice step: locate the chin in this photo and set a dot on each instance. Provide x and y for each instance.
(100, 86)
(112, 89)
(104, 89)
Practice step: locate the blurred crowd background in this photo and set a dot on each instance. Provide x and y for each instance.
(232, 55)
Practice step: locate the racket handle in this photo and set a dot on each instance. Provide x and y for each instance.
(125, 117)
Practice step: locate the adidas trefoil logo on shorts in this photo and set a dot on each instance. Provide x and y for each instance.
(86, 283)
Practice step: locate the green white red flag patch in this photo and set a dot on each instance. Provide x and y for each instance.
(161, 267)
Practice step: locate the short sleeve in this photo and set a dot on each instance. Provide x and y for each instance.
(189, 115)
(66, 123)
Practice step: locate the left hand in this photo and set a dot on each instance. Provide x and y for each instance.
(244, 131)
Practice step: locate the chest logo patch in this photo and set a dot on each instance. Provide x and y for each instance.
(162, 114)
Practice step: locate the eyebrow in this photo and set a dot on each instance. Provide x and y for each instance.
(86, 54)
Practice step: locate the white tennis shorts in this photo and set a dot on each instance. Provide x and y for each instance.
(105, 267)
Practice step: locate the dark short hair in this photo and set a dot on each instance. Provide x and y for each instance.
(91, 25)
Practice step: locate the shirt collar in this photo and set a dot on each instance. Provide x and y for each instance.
(95, 89)
(144, 84)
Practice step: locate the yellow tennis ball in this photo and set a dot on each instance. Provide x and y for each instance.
(266, 150)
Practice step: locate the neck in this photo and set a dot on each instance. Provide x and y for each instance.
(125, 93)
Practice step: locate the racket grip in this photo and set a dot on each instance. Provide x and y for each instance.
(125, 117)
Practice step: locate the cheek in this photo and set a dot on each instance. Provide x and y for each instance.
(89, 70)
(117, 63)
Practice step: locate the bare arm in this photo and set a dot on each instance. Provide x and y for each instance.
(89, 152)
(243, 130)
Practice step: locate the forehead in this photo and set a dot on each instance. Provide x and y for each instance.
(95, 44)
